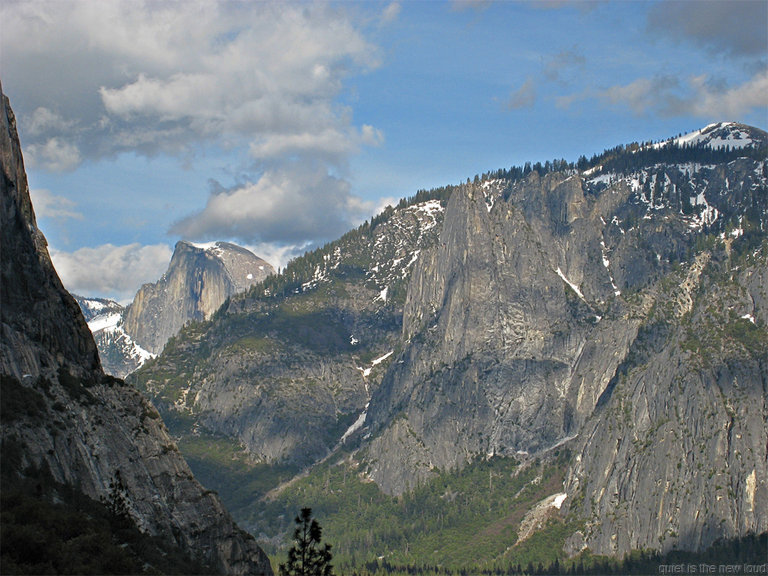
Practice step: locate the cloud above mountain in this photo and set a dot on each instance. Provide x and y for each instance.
(120, 269)
(174, 79)
(736, 27)
(288, 204)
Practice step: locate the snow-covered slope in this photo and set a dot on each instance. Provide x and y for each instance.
(718, 135)
(120, 355)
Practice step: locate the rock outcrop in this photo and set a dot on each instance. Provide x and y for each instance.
(615, 308)
(63, 416)
(198, 281)
(621, 312)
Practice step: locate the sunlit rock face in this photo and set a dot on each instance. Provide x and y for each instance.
(198, 281)
(619, 311)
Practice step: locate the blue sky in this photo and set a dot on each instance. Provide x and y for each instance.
(282, 125)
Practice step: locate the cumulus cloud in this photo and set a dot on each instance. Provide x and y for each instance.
(48, 205)
(737, 27)
(287, 204)
(160, 77)
(261, 78)
(111, 271)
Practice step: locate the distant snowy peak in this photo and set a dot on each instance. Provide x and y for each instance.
(720, 135)
(243, 265)
(119, 354)
(93, 307)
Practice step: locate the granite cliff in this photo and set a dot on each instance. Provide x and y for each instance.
(65, 420)
(612, 309)
(198, 281)
(620, 311)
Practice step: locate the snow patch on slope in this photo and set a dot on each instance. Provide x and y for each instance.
(571, 284)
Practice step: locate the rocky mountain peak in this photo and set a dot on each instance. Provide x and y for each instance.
(200, 277)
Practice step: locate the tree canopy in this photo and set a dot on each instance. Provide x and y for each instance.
(307, 556)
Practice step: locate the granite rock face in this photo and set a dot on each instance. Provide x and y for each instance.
(621, 312)
(677, 453)
(287, 368)
(506, 330)
(77, 423)
(198, 281)
(615, 307)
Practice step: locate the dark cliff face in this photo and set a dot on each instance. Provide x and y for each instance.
(196, 284)
(32, 294)
(63, 417)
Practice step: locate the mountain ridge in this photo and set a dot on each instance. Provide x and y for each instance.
(522, 319)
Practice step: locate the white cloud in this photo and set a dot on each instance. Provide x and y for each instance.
(147, 76)
(54, 154)
(727, 103)
(278, 255)
(48, 205)
(44, 120)
(391, 12)
(259, 79)
(111, 271)
(289, 204)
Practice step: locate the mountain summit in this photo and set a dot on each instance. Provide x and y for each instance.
(200, 277)
(720, 135)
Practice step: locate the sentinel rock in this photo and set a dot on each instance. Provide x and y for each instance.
(64, 417)
(619, 313)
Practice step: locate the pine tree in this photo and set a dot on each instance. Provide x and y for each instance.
(117, 502)
(307, 557)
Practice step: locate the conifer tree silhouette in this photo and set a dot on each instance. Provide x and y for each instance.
(307, 556)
